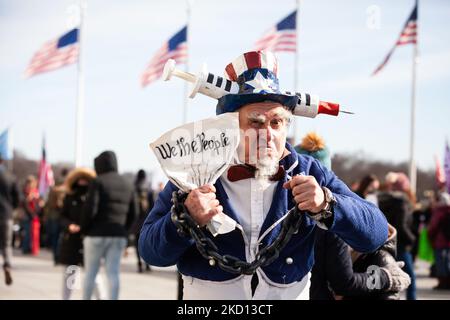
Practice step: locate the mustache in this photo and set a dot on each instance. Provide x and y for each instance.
(266, 166)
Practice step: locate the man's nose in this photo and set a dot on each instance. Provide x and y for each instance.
(269, 134)
(265, 136)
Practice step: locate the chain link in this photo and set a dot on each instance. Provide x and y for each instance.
(186, 226)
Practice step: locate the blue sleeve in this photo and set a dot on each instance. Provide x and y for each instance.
(159, 242)
(358, 222)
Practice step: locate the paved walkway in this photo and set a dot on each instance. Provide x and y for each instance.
(425, 284)
(37, 278)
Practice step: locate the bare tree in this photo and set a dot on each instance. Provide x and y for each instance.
(353, 167)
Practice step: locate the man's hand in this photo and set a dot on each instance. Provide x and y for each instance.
(307, 193)
(202, 204)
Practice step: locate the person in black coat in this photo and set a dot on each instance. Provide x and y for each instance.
(108, 214)
(145, 200)
(397, 204)
(398, 212)
(342, 273)
(9, 200)
(71, 245)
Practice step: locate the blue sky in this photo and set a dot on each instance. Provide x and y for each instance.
(337, 53)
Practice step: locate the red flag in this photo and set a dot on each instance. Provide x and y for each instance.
(45, 174)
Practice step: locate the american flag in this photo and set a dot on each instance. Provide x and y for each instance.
(282, 37)
(55, 54)
(45, 174)
(407, 36)
(176, 48)
(447, 166)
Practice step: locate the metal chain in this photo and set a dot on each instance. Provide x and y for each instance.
(186, 226)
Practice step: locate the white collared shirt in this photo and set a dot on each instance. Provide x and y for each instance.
(251, 199)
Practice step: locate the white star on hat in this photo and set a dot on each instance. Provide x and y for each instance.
(259, 83)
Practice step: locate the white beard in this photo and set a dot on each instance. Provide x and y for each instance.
(266, 166)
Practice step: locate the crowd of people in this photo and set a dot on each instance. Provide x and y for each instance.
(89, 217)
(420, 225)
(340, 272)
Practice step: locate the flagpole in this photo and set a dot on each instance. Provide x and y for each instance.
(186, 85)
(80, 93)
(295, 136)
(412, 162)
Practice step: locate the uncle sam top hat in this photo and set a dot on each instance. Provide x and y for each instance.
(256, 74)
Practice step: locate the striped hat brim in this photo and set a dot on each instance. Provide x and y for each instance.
(232, 102)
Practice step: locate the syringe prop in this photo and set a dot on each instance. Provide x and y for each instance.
(206, 83)
(216, 87)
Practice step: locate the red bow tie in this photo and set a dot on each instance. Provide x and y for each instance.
(245, 171)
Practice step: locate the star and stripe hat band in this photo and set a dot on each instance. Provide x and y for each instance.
(255, 73)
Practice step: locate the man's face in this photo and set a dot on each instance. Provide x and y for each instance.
(263, 131)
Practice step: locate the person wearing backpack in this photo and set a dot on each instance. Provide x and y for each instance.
(439, 234)
(106, 218)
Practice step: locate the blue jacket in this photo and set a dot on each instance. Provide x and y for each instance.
(359, 223)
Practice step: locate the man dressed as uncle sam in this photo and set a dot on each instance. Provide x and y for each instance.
(276, 198)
